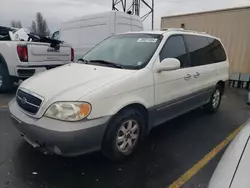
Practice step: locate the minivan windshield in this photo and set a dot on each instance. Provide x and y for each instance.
(129, 51)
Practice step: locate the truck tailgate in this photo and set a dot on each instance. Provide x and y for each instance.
(44, 52)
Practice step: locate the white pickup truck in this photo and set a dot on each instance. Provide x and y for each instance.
(23, 56)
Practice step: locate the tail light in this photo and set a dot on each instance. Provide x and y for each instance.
(72, 54)
(22, 52)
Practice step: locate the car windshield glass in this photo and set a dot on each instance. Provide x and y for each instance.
(131, 51)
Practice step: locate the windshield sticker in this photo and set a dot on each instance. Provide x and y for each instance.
(153, 40)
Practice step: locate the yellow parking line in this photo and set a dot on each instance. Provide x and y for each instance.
(3, 106)
(198, 166)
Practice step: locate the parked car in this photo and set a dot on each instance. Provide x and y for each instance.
(233, 168)
(83, 33)
(24, 54)
(119, 91)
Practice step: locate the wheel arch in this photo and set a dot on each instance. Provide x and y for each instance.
(222, 85)
(141, 108)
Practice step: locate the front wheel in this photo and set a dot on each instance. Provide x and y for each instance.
(123, 135)
(214, 102)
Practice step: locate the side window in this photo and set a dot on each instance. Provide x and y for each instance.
(175, 48)
(217, 51)
(199, 50)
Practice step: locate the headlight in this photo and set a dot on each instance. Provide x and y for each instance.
(68, 111)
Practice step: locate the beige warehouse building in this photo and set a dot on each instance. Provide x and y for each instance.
(231, 25)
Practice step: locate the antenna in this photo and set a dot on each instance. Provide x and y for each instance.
(134, 8)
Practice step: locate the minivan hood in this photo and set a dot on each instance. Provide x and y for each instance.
(72, 81)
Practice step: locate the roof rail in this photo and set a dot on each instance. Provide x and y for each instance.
(172, 29)
(181, 29)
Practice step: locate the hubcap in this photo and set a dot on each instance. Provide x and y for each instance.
(1, 80)
(127, 136)
(216, 98)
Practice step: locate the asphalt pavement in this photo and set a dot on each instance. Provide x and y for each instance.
(169, 151)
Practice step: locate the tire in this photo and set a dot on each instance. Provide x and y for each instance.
(6, 81)
(118, 149)
(215, 100)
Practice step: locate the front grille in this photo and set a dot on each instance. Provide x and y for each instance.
(28, 102)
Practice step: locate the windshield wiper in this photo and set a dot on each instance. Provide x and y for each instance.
(106, 63)
(83, 60)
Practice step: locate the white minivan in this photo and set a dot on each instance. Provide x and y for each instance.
(83, 33)
(125, 86)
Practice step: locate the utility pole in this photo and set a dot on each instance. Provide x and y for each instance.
(134, 8)
(122, 3)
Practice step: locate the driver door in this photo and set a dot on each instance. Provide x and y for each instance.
(173, 88)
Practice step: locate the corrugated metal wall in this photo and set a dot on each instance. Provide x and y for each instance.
(232, 26)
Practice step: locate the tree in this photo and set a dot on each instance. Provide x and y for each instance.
(16, 24)
(33, 27)
(40, 26)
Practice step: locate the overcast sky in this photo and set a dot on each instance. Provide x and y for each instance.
(57, 11)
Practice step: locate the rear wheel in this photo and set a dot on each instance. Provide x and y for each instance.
(123, 134)
(6, 81)
(214, 103)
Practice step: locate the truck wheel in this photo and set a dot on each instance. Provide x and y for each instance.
(123, 134)
(6, 82)
(214, 102)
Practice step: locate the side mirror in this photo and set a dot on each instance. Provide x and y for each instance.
(168, 64)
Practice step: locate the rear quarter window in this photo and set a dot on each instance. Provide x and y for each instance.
(217, 51)
(204, 50)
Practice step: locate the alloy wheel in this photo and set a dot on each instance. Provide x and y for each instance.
(127, 136)
(216, 98)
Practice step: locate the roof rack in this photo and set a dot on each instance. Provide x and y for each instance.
(172, 29)
(181, 29)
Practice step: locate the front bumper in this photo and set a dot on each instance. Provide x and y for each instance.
(59, 137)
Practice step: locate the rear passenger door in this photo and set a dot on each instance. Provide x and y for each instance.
(205, 54)
(198, 47)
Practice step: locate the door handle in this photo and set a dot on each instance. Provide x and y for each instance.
(197, 74)
(187, 77)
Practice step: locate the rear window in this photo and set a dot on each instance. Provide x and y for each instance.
(217, 51)
(204, 50)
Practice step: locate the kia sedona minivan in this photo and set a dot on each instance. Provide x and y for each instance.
(125, 86)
